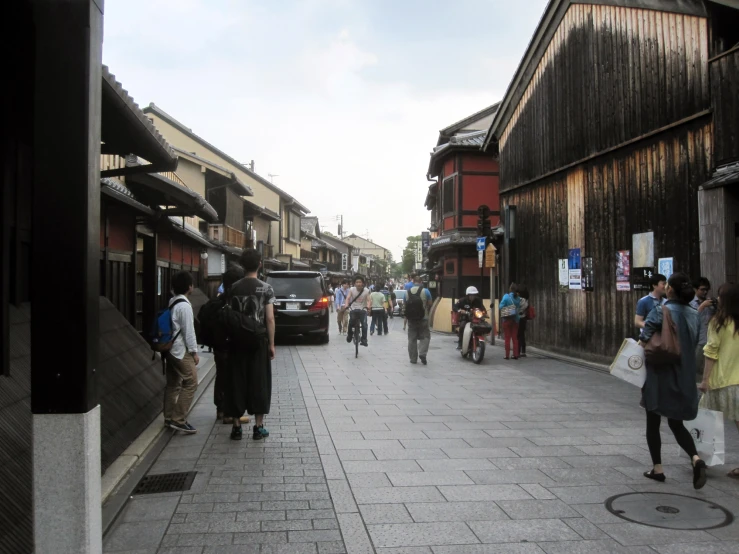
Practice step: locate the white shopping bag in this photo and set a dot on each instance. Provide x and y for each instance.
(707, 431)
(629, 363)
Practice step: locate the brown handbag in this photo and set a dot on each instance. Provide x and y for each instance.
(664, 346)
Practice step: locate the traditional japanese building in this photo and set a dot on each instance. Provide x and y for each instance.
(617, 117)
(463, 178)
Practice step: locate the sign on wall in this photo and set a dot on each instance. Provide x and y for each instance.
(640, 278)
(575, 269)
(643, 249)
(344, 262)
(623, 270)
(587, 275)
(564, 275)
(666, 267)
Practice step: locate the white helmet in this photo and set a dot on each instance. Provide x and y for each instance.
(472, 290)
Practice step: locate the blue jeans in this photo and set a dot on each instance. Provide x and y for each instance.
(362, 315)
(379, 319)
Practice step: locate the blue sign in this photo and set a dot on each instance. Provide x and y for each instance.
(481, 244)
(574, 258)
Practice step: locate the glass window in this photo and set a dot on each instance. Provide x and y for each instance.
(302, 286)
(448, 195)
(294, 226)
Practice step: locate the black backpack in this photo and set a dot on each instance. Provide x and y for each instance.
(211, 331)
(414, 306)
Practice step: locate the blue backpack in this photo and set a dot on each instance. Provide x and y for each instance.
(160, 337)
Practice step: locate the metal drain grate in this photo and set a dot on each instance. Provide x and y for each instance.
(669, 511)
(165, 482)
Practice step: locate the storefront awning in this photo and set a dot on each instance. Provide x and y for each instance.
(251, 210)
(118, 191)
(189, 231)
(157, 190)
(126, 130)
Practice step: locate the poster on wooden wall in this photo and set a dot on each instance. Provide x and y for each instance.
(564, 275)
(575, 269)
(666, 266)
(623, 270)
(641, 277)
(643, 249)
(587, 274)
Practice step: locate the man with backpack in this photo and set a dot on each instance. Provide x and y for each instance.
(182, 358)
(417, 305)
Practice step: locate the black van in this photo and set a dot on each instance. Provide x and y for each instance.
(301, 303)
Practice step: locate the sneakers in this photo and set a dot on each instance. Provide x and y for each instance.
(236, 433)
(372, 332)
(423, 360)
(182, 427)
(414, 361)
(260, 433)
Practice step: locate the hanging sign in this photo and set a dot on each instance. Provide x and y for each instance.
(490, 256)
(640, 277)
(575, 269)
(564, 276)
(623, 270)
(587, 274)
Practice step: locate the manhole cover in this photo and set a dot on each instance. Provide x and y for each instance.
(669, 511)
(165, 482)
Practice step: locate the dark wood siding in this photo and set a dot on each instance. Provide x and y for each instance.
(598, 206)
(609, 75)
(725, 93)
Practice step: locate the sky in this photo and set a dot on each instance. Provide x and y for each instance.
(340, 100)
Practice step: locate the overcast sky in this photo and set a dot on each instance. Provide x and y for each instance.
(341, 99)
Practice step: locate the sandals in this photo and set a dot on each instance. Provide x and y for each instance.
(656, 476)
(699, 474)
(734, 473)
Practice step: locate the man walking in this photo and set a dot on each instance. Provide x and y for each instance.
(342, 315)
(249, 387)
(706, 310)
(379, 315)
(417, 306)
(182, 359)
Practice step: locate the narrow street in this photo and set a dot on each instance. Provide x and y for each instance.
(376, 454)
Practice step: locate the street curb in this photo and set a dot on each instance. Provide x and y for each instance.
(125, 484)
(573, 361)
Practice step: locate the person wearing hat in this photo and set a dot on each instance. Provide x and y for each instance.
(465, 305)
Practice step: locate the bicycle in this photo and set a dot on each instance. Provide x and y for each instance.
(357, 329)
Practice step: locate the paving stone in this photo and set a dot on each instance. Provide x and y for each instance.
(396, 495)
(456, 464)
(135, 535)
(427, 512)
(496, 476)
(386, 513)
(368, 480)
(205, 539)
(416, 479)
(411, 454)
(355, 535)
(588, 494)
(519, 530)
(150, 509)
(314, 536)
(331, 547)
(489, 549)
(536, 509)
(420, 534)
(585, 529)
(633, 534)
(342, 497)
(594, 547)
(381, 466)
(483, 492)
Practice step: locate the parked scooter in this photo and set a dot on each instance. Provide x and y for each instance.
(475, 331)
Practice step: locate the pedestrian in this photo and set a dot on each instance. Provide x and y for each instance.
(358, 304)
(509, 306)
(342, 315)
(377, 307)
(392, 301)
(331, 297)
(411, 281)
(721, 378)
(463, 307)
(706, 310)
(249, 385)
(657, 283)
(523, 317)
(670, 390)
(417, 306)
(234, 273)
(182, 358)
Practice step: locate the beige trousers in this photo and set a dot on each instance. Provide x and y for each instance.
(182, 382)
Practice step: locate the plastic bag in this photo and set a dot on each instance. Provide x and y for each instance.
(629, 363)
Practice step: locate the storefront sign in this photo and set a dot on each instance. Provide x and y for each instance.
(623, 270)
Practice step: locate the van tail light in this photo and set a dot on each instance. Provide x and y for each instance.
(318, 305)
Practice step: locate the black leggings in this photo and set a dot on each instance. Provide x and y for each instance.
(654, 441)
(522, 335)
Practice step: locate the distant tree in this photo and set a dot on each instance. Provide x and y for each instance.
(408, 263)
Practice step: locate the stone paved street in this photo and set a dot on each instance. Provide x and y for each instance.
(376, 454)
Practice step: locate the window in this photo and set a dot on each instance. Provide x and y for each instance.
(448, 196)
(293, 226)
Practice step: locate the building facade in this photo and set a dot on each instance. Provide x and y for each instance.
(463, 178)
(604, 139)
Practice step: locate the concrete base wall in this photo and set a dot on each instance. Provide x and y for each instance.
(66, 483)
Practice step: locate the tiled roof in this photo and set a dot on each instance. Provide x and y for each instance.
(308, 224)
(114, 91)
(725, 175)
(117, 190)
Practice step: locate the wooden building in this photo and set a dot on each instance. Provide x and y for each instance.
(464, 178)
(604, 138)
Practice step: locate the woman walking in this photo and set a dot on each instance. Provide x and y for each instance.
(670, 390)
(509, 306)
(523, 313)
(721, 375)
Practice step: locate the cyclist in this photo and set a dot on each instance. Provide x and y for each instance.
(465, 305)
(358, 302)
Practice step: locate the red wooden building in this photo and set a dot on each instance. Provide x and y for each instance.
(464, 178)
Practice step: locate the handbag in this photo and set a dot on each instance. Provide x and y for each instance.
(628, 365)
(508, 311)
(530, 312)
(664, 346)
(707, 430)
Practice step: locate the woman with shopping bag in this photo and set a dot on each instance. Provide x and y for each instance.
(670, 390)
(721, 374)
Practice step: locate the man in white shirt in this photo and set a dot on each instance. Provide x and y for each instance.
(182, 359)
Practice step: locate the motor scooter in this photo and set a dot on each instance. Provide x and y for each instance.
(473, 337)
